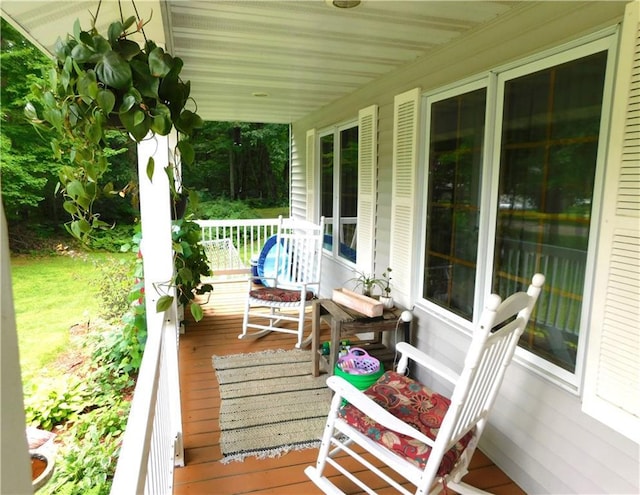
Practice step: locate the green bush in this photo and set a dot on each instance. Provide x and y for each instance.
(120, 351)
(55, 401)
(222, 209)
(88, 462)
(112, 239)
(113, 282)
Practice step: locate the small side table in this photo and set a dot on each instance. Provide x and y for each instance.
(344, 322)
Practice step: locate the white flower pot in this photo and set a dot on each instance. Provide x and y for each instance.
(387, 302)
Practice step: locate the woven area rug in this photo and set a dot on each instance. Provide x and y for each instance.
(270, 403)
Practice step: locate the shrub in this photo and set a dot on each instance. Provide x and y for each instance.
(113, 283)
(54, 401)
(90, 455)
(112, 239)
(222, 209)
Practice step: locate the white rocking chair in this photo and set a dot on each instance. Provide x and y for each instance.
(291, 284)
(424, 437)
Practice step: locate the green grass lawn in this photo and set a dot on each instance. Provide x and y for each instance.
(272, 212)
(51, 294)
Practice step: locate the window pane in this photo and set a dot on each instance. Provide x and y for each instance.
(455, 164)
(326, 187)
(348, 192)
(547, 169)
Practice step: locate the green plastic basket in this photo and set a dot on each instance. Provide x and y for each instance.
(362, 380)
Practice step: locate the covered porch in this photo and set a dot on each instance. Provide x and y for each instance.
(381, 68)
(203, 472)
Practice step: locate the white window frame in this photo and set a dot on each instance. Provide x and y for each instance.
(495, 81)
(335, 219)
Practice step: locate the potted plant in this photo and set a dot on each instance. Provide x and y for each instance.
(100, 83)
(385, 298)
(365, 282)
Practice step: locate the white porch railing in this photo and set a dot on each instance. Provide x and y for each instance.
(152, 444)
(232, 244)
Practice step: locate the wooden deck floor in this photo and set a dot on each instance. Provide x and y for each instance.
(203, 473)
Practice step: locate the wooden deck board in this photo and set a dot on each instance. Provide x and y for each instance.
(217, 334)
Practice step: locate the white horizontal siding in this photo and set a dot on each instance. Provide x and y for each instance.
(538, 433)
(586, 456)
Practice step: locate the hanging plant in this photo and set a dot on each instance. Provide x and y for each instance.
(101, 83)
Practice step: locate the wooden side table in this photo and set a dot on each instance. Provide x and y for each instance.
(345, 322)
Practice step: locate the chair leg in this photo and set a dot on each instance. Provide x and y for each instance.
(301, 315)
(325, 445)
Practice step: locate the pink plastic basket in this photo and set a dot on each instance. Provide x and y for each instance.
(358, 362)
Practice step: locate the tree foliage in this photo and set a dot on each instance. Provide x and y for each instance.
(26, 160)
(240, 160)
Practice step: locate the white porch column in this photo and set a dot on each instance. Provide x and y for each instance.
(155, 217)
(157, 257)
(14, 453)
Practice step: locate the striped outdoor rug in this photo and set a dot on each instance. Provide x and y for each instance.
(270, 403)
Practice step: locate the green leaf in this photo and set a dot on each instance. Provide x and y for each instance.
(143, 80)
(87, 86)
(129, 22)
(150, 167)
(84, 226)
(53, 78)
(85, 37)
(113, 70)
(81, 53)
(161, 120)
(196, 311)
(159, 62)
(70, 207)
(115, 30)
(100, 45)
(77, 30)
(94, 132)
(135, 123)
(127, 48)
(185, 274)
(61, 49)
(54, 117)
(50, 100)
(128, 100)
(188, 121)
(74, 229)
(186, 152)
(106, 101)
(138, 117)
(164, 303)
(75, 189)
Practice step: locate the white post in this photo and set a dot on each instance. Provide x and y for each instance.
(155, 216)
(157, 257)
(14, 453)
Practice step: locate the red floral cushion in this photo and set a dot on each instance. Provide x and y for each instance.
(414, 404)
(278, 295)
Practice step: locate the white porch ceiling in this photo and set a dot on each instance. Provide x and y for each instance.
(272, 60)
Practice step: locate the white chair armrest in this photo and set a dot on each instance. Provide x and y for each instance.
(426, 361)
(358, 399)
